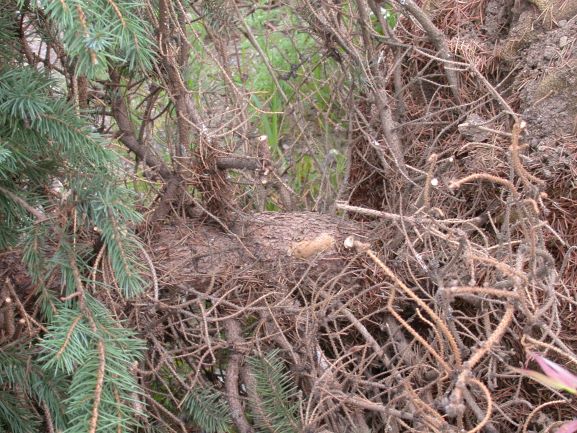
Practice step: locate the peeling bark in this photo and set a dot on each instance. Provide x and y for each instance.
(262, 243)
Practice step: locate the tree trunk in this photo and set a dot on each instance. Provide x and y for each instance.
(271, 244)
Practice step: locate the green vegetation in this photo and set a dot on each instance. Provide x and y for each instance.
(277, 405)
(58, 184)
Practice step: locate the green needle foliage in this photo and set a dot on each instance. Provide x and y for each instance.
(73, 346)
(42, 141)
(277, 393)
(97, 33)
(59, 194)
(14, 417)
(25, 383)
(207, 408)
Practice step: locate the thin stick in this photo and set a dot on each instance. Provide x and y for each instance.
(39, 215)
(419, 301)
(489, 411)
(438, 39)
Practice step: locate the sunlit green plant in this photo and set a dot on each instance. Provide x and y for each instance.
(302, 79)
(389, 15)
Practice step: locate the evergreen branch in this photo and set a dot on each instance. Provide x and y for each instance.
(82, 19)
(67, 343)
(112, 32)
(121, 245)
(19, 370)
(277, 393)
(49, 421)
(207, 408)
(14, 415)
(40, 217)
(99, 383)
(118, 13)
(81, 376)
(117, 238)
(102, 384)
(68, 337)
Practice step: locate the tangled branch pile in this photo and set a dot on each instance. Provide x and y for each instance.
(438, 251)
(453, 275)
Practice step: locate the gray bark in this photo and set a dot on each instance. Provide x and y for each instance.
(263, 243)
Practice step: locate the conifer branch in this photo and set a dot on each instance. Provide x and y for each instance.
(99, 384)
(234, 337)
(68, 336)
(127, 137)
(40, 217)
